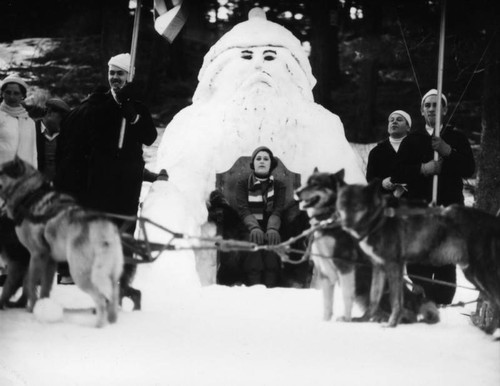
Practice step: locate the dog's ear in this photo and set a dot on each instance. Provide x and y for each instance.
(15, 168)
(339, 178)
(316, 170)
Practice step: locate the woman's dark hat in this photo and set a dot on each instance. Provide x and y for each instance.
(58, 105)
(274, 162)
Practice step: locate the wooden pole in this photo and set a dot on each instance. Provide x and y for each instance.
(437, 128)
(133, 53)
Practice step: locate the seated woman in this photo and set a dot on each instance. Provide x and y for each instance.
(260, 201)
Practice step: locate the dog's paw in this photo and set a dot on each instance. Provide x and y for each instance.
(389, 324)
(343, 319)
(20, 303)
(327, 316)
(428, 313)
(379, 317)
(361, 319)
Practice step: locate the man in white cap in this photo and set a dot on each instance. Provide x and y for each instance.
(382, 157)
(103, 176)
(416, 167)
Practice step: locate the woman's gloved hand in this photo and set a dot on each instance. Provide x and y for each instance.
(257, 236)
(273, 237)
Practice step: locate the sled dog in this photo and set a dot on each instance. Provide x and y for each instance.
(333, 251)
(54, 228)
(392, 238)
(339, 260)
(481, 232)
(16, 259)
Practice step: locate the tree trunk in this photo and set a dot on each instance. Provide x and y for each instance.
(324, 52)
(367, 95)
(488, 189)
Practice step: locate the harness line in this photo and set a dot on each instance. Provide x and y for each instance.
(145, 248)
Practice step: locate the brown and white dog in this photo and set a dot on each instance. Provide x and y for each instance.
(54, 229)
(333, 251)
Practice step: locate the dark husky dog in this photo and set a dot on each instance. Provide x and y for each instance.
(16, 258)
(481, 232)
(338, 258)
(54, 228)
(392, 238)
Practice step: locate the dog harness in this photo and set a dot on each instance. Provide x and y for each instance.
(24, 209)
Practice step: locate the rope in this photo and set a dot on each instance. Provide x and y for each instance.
(441, 282)
(471, 77)
(409, 56)
(144, 247)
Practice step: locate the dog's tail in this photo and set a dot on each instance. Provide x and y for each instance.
(108, 257)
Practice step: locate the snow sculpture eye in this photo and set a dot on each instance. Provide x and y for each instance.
(247, 54)
(269, 55)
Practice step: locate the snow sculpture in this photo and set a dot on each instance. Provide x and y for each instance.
(255, 88)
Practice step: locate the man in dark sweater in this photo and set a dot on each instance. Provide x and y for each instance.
(48, 129)
(415, 166)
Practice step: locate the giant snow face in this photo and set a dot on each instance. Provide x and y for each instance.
(238, 72)
(255, 88)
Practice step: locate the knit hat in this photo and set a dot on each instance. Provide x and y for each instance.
(433, 91)
(404, 114)
(274, 162)
(121, 61)
(58, 105)
(17, 80)
(258, 31)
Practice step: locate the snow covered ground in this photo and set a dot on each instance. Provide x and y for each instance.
(192, 335)
(189, 335)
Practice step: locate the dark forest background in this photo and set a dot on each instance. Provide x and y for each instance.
(369, 58)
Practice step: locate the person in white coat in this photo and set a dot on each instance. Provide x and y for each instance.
(17, 137)
(17, 129)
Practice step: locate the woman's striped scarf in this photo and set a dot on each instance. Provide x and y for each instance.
(260, 196)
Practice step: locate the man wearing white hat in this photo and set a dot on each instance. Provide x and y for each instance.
(108, 178)
(382, 158)
(416, 167)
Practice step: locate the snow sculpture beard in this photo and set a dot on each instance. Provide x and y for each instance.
(257, 92)
(258, 113)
